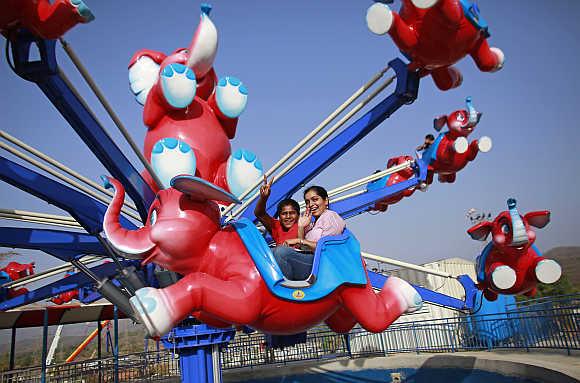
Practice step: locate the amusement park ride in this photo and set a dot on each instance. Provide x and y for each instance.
(195, 186)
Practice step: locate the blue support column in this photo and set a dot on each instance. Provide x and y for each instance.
(198, 346)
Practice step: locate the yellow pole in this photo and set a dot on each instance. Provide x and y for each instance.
(85, 343)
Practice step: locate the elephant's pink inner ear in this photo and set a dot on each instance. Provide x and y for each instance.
(480, 231)
(538, 219)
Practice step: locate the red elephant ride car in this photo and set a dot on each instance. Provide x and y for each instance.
(14, 271)
(393, 179)
(191, 115)
(231, 278)
(67, 296)
(435, 34)
(451, 151)
(511, 263)
(43, 18)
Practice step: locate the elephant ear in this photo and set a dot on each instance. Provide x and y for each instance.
(201, 190)
(538, 219)
(143, 73)
(480, 231)
(439, 122)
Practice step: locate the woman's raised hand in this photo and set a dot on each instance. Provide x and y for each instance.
(305, 218)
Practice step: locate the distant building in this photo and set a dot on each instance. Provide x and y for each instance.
(398, 338)
(447, 286)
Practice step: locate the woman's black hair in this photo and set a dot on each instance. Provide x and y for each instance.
(287, 202)
(319, 190)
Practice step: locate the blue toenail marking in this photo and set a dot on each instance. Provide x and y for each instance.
(418, 300)
(157, 148)
(170, 142)
(258, 165)
(238, 154)
(234, 81)
(75, 2)
(149, 303)
(167, 71)
(243, 89)
(106, 183)
(183, 147)
(179, 68)
(190, 75)
(249, 156)
(222, 81)
(205, 8)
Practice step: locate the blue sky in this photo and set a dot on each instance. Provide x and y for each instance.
(301, 59)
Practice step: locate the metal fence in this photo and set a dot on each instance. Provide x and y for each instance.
(537, 324)
(140, 367)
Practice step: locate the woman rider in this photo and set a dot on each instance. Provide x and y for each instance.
(317, 221)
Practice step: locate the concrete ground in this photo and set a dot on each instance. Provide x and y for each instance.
(549, 367)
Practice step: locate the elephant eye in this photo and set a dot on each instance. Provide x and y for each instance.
(460, 117)
(153, 217)
(505, 228)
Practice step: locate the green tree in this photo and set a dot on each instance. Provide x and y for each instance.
(562, 287)
(7, 254)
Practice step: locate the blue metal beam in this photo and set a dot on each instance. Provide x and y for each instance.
(72, 282)
(310, 167)
(46, 74)
(87, 211)
(65, 245)
(378, 280)
(350, 207)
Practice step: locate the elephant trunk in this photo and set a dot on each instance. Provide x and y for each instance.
(473, 114)
(520, 235)
(203, 46)
(134, 243)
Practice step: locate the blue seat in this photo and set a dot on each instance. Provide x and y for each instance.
(337, 261)
(430, 154)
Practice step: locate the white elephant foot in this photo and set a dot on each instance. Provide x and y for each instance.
(178, 84)
(379, 18)
(243, 171)
(424, 4)
(408, 297)
(503, 277)
(153, 309)
(171, 157)
(548, 271)
(142, 76)
(484, 144)
(460, 145)
(500, 58)
(231, 96)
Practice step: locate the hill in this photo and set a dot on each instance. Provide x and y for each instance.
(569, 258)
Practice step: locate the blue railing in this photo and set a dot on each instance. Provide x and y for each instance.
(536, 324)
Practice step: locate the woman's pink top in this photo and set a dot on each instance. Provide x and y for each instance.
(329, 223)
